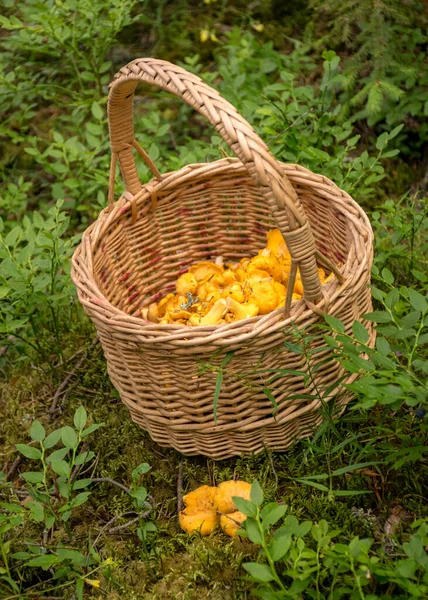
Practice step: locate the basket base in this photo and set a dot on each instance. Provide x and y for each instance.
(276, 438)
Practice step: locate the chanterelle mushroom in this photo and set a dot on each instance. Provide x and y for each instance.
(231, 523)
(226, 491)
(199, 513)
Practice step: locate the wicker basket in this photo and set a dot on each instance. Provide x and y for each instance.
(139, 245)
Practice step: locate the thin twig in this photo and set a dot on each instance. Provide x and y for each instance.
(114, 530)
(129, 523)
(63, 386)
(107, 525)
(180, 487)
(113, 482)
(13, 468)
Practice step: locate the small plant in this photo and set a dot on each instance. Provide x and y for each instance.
(146, 530)
(55, 492)
(55, 489)
(36, 293)
(300, 559)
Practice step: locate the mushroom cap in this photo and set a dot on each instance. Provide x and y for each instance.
(263, 294)
(205, 521)
(200, 513)
(186, 283)
(269, 264)
(231, 523)
(212, 317)
(276, 244)
(241, 311)
(201, 499)
(234, 291)
(225, 492)
(205, 270)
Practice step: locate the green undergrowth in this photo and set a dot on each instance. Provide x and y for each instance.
(88, 502)
(179, 566)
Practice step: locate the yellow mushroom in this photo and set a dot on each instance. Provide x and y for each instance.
(232, 522)
(276, 244)
(262, 292)
(265, 261)
(242, 311)
(226, 491)
(199, 513)
(213, 315)
(234, 291)
(186, 283)
(204, 522)
(205, 270)
(150, 313)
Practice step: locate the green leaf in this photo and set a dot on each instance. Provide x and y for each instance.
(33, 477)
(37, 511)
(378, 316)
(411, 319)
(21, 555)
(140, 495)
(29, 451)
(49, 521)
(60, 467)
(37, 432)
(256, 493)
(84, 457)
(318, 486)
(280, 546)
(4, 291)
(14, 508)
(360, 332)
(406, 567)
(271, 397)
(80, 499)
(97, 111)
(351, 492)
(140, 470)
(79, 589)
(252, 530)
(382, 140)
(382, 345)
(388, 276)
(395, 131)
(52, 439)
(69, 437)
(392, 299)
(417, 300)
(273, 515)
(80, 418)
(335, 324)
(91, 429)
(218, 384)
(57, 454)
(259, 572)
(81, 484)
(245, 506)
(45, 561)
(74, 556)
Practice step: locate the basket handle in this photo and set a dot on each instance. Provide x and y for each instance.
(240, 137)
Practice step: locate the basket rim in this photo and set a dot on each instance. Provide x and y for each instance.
(96, 304)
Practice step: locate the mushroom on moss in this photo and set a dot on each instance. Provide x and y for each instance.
(226, 491)
(232, 522)
(199, 513)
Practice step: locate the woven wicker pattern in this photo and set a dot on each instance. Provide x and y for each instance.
(134, 252)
